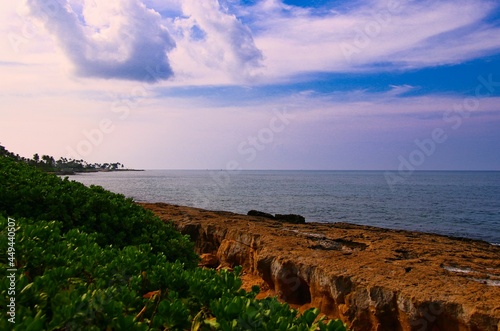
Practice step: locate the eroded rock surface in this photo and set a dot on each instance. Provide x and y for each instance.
(371, 278)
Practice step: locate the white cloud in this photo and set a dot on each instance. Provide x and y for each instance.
(411, 34)
(214, 44)
(128, 40)
(400, 89)
(453, 48)
(112, 39)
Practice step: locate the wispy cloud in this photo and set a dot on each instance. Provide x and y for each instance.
(397, 90)
(402, 34)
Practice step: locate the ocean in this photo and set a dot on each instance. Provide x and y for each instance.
(457, 203)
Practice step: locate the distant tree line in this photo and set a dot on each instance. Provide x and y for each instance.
(64, 165)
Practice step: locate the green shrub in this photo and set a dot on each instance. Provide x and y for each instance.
(88, 259)
(28, 192)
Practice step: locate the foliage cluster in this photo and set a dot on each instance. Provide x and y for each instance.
(66, 281)
(63, 165)
(28, 192)
(89, 259)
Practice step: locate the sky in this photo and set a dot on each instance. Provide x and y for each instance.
(254, 84)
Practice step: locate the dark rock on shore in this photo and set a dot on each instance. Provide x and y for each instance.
(260, 214)
(290, 218)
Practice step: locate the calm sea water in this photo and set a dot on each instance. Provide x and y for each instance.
(464, 204)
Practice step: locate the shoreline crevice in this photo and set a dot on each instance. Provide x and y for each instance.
(370, 278)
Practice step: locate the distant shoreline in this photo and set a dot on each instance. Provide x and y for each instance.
(73, 173)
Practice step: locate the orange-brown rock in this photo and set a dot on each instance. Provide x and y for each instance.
(371, 278)
(208, 260)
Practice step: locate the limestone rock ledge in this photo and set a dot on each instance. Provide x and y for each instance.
(370, 278)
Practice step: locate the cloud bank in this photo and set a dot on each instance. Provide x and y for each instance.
(119, 39)
(220, 42)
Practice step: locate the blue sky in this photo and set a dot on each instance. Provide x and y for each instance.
(254, 84)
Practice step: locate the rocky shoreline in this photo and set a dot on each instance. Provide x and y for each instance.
(370, 278)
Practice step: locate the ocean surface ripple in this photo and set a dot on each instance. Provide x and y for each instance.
(457, 203)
